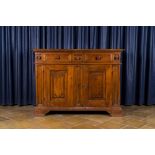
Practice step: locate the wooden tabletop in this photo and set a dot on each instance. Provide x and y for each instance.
(81, 50)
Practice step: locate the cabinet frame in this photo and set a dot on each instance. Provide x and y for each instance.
(75, 71)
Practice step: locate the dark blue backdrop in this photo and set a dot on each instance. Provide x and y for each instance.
(17, 83)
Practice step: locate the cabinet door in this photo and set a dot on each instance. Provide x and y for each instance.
(96, 85)
(58, 85)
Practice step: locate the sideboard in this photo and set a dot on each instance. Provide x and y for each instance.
(78, 80)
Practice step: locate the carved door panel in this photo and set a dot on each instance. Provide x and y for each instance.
(96, 85)
(58, 85)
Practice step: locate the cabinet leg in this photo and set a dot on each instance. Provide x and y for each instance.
(116, 112)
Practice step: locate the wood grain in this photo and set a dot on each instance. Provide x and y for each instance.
(77, 79)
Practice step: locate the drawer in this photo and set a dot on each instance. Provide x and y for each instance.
(72, 58)
(57, 57)
(77, 57)
(98, 57)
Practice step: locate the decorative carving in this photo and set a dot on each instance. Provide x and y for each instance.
(98, 57)
(97, 80)
(38, 57)
(116, 57)
(57, 87)
(58, 57)
(78, 57)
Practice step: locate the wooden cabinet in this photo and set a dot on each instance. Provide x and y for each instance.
(78, 80)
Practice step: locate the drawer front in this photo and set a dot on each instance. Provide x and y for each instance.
(77, 57)
(57, 57)
(60, 57)
(98, 57)
(74, 58)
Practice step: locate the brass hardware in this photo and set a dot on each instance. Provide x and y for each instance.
(58, 58)
(38, 57)
(116, 57)
(98, 57)
(77, 58)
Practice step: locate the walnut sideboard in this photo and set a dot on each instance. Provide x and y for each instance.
(78, 80)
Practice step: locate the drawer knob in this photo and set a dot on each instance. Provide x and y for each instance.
(98, 57)
(116, 57)
(77, 58)
(38, 57)
(57, 58)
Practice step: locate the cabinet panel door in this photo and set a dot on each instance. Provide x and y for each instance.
(58, 85)
(96, 85)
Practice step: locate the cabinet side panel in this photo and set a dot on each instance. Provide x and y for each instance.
(39, 83)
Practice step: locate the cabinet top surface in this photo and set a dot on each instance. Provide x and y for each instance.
(78, 50)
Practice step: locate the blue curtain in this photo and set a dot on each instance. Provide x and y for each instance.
(17, 81)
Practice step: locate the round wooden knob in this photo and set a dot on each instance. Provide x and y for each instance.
(77, 58)
(116, 57)
(38, 57)
(98, 57)
(58, 58)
